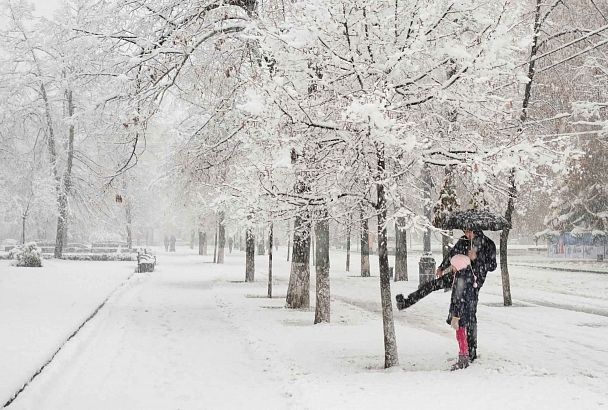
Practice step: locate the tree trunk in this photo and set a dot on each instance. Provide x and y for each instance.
(312, 246)
(298, 290)
(24, 216)
(390, 343)
(348, 229)
(445, 244)
(400, 250)
(128, 214)
(504, 238)
(215, 246)
(221, 238)
(201, 242)
(323, 307)
(365, 271)
(51, 144)
(129, 222)
(288, 239)
(428, 212)
(270, 238)
(23, 220)
(66, 228)
(504, 235)
(66, 186)
(249, 255)
(261, 245)
(61, 221)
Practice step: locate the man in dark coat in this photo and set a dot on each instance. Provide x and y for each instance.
(482, 252)
(463, 296)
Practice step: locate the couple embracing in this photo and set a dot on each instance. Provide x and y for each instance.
(464, 269)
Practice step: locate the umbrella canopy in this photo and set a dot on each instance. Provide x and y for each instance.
(474, 220)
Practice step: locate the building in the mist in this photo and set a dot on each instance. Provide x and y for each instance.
(584, 246)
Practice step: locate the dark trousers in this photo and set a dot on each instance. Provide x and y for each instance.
(445, 282)
(472, 327)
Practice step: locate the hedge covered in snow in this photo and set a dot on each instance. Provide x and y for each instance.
(28, 255)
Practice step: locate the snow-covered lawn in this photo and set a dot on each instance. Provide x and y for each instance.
(192, 335)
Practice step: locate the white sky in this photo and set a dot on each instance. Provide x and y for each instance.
(45, 7)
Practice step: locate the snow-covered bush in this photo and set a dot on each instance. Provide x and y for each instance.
(28, 255)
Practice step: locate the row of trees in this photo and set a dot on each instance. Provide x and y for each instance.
(310, 112)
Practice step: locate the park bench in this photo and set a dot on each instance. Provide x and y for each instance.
(145, 261)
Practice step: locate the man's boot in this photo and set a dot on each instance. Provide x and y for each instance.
(472, 340)
(472, 354)
(402, 302)
(462, 363)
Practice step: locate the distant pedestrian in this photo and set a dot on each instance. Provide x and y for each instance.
(172, 243)
(166, 242)
(230, 243)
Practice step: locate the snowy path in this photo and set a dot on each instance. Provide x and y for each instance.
(165, 335)
(41, 307)
(192, 335)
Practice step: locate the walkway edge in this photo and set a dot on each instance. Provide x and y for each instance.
(559, 269)
(91, 316)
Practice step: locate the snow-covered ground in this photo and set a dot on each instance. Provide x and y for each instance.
(193, 335)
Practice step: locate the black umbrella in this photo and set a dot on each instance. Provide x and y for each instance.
(474, 220)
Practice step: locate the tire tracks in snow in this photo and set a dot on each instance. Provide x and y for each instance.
(70, 337)
(530, 302)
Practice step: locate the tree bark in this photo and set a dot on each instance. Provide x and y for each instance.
(23, 220)
(348, 229)
(128, 214)
(288, 239)
(504, 238)
(445, 244)
(428, 212)
(201, 242)
(298, 290)
(129, 224)
(400, 250)
(62, 220)
(312, 246)
(390, 342)
(365, 271)
(51, 145)
(323, 306)
(221, 237)
(270, 238)
(66, 229)
(504, 235)
(249, 255)
(261, 244)
(215, 246)
(66, 185)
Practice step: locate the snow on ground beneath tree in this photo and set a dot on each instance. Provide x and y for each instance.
(193, 335)
(559, 263)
